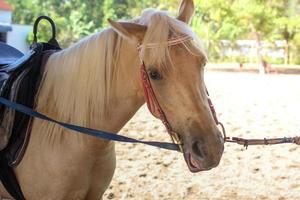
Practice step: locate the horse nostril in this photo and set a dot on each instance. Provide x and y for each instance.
(197, 149)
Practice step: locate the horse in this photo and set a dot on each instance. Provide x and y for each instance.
(96, 83)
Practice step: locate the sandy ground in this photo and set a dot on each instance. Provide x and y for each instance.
(249, 105)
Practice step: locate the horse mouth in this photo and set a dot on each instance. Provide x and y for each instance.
(194, 164)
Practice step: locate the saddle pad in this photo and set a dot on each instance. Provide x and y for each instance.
(22, 123)
(17, 82)
(8, 54)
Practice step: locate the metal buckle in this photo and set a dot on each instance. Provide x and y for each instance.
(176, 140)
(223, 131)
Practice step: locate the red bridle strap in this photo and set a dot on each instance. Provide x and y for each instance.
(154, 107)
(212, 108)
(151, 99)
(214, 114)
(156, 110)
(152, 102)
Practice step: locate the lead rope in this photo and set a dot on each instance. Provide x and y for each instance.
(247, 142)
(265, 141)
(154, 108)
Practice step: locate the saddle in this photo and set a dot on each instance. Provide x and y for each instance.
(20, 76)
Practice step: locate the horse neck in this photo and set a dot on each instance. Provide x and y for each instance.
(126, 96)
(100, 96)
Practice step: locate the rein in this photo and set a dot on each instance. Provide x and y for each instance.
(88, 131)
(155, 108)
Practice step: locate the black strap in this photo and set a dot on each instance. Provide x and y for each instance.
(88, 131)
(53, 40)
(9, 180)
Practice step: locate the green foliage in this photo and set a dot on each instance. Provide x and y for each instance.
(255, 15)
(269, 20)
(214, 20)
(74, 18)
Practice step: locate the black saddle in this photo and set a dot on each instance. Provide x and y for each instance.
(19, 80)
(19, 75)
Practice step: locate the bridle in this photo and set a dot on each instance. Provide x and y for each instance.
(152, 102)
(154, 106)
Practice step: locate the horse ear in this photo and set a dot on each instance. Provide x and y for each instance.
(186, 11)
(131, 31)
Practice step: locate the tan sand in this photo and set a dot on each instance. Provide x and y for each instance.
(249, 105)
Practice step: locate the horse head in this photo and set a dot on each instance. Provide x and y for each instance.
(174, 61)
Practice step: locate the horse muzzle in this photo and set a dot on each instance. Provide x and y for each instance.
(203, 154)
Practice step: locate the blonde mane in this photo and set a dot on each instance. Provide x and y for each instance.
(161, 28)
(78, 81)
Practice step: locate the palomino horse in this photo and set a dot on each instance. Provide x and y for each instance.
(96, 83)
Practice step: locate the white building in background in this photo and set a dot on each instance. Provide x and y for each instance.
(12, 34)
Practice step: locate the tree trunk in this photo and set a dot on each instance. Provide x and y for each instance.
(287, 53)
(260, 60)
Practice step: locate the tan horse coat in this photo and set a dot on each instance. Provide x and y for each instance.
(95, 83)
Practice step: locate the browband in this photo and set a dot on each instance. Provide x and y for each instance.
(170, 42)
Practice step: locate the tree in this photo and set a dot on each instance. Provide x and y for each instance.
(22, 14)
(115, 9)
(72, 17)
(257, 17)
(215, 21)
(288, 25)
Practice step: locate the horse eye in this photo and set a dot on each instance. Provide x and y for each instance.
(154, 74)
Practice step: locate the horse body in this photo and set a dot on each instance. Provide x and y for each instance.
(76, 166)
(96, 84)
(86, 162)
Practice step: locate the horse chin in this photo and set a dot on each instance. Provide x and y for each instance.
(194, 164)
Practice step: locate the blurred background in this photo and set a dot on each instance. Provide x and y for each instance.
(234, 31)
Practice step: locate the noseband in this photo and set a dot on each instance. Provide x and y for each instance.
(152, 102)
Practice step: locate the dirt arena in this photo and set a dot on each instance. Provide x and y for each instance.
(249, 105)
